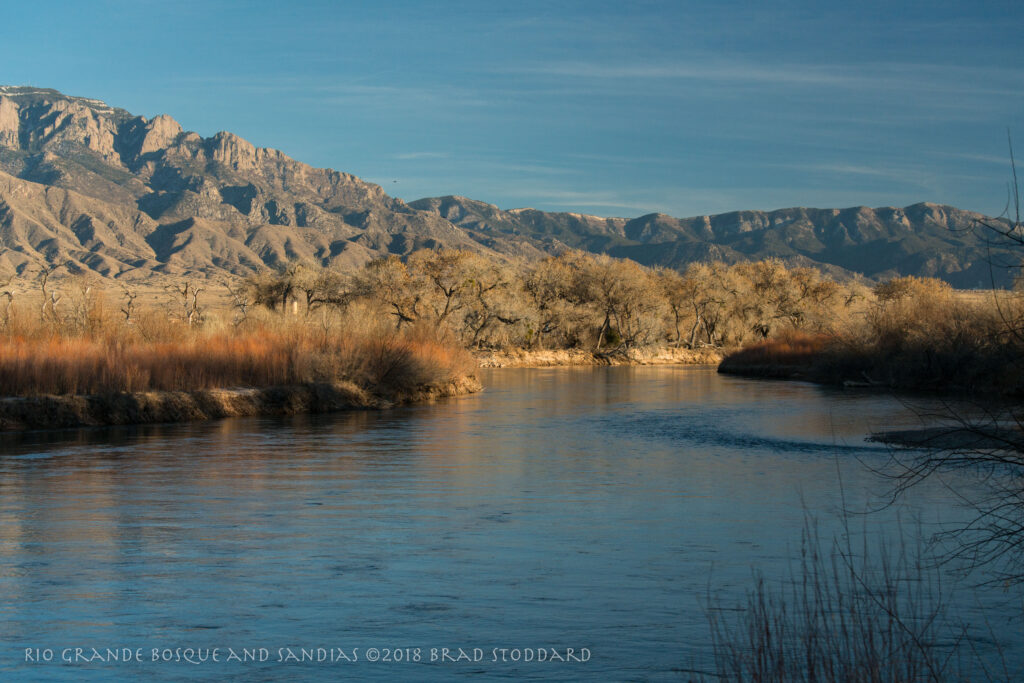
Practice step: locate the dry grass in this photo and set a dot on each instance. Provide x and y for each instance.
(927, 339)
(788, 353)
(94, 352)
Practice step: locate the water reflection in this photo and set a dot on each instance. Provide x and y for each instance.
(580, 507)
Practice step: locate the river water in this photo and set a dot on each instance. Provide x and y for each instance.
(602, 510)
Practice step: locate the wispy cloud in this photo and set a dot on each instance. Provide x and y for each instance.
(576, 198)
(995, 159)
(398, 95)
(413, 156)
(909, 77)
(484, 166)
(918, 177)
(525, 169)
(370, 90)
(900, 174)
(685, 71)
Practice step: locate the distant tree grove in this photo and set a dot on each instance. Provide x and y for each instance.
(574, 300)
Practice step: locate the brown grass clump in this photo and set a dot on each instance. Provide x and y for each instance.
(917, 334)
(790, 354)
(154, 354)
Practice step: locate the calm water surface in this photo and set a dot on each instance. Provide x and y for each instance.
(565, 508)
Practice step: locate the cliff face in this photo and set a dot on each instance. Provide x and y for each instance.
(85, 183)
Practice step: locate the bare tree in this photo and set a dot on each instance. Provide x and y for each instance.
(674, 291)
(322, 287)
(50, 297)
(85, 304)
(490, 299)
(444, 273)
(6, 302)
(990, 443)
(187, 296)
(389, 281)
(241, 301)
(128, 297)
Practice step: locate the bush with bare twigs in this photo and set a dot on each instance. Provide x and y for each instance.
(866, 614)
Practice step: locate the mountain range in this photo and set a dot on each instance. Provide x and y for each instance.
(100, 189)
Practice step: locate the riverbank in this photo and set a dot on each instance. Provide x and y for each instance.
(543, 358)
(150, 407)
(153, 369)
(977, 366)
(918, 336)
(956, 437)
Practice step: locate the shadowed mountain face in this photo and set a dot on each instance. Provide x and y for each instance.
(125, 196)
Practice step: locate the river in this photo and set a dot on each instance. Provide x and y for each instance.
(587, 516)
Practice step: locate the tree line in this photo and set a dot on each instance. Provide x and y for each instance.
(574, 300)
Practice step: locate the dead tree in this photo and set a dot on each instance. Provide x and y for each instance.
(241, 300)
(6, 302)
(188, 295)
(50, 298)
(128, 308)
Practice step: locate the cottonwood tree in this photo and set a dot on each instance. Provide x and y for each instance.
(492, 303)
(390, 282)
(777, 297)
(677, 295)
(321, 286)
(709, 291)
(270, 290)
(556, 306)
(444, 276)
(626, 296)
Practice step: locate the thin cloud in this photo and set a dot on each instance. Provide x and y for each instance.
(689, 71)
(355, 92)
(1003, 161)
(917, 177)
(484, 167)
(412, 156)
(852, 169)
(897, 77)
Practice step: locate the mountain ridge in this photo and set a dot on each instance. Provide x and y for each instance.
(95, 186)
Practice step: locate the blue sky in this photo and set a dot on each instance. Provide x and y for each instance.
(612, 108)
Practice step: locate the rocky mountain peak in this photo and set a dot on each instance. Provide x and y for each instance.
(160, 133)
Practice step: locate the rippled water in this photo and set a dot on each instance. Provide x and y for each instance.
(593, 508)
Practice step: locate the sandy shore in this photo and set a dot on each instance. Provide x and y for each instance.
(522, 358)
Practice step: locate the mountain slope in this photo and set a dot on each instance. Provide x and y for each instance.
(99, 188)
(87, 183)
(924, 239)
